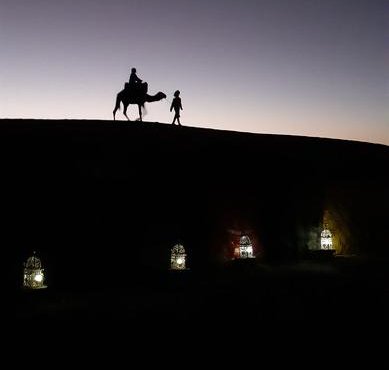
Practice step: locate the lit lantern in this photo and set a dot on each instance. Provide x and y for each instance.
(326, 239)
(245, 248)
(178, 258)
(33, 274)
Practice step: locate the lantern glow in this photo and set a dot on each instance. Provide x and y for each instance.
(33, 274)
(326, 240)
(178, 258)
(38, 277)
(245, 248)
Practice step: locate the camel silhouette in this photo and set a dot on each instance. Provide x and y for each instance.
(127, 97)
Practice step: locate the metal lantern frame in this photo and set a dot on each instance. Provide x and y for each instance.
(34, 277)
(326, 242)
(178, 258)
(246, 249)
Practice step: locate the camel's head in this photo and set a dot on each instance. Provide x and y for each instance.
(161, 95)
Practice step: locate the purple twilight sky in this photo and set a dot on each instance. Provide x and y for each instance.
(300, 67)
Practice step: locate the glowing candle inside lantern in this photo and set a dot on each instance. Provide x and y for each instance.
(38, 277)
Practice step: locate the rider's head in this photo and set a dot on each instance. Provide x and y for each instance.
(133, 70)
(177, 92)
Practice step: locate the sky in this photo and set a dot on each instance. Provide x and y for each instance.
(295, 67)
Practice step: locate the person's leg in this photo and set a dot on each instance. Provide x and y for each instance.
(176, 116)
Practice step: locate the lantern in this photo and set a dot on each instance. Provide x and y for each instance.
(245, 247)
(326, 240)
(178, 258)
(33, 274)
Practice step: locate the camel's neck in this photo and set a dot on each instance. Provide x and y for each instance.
(151, 98)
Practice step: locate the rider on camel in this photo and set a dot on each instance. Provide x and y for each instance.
(136, 85)
(134, 79)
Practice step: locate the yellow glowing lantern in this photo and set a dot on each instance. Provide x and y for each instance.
(178, 258)
(33, 273)
(326, 240)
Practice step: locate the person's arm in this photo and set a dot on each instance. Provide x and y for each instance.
(171, 107)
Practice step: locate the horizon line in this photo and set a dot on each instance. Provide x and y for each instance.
(121, 122)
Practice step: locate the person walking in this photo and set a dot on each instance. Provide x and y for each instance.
(177, 106)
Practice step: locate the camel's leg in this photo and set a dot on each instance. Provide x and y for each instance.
(125, 112)
(117, 106)
(140, 112)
